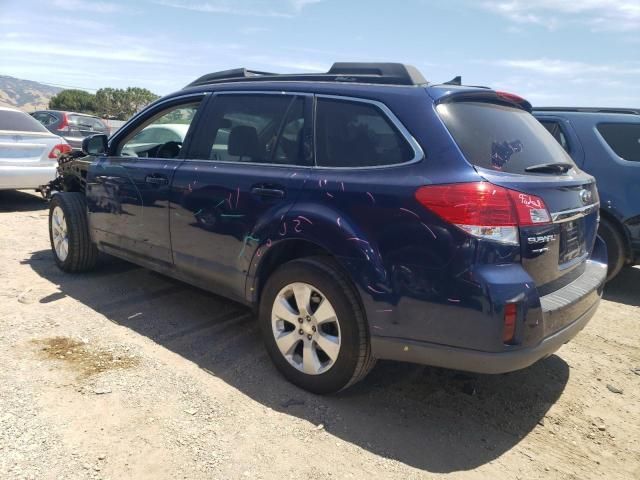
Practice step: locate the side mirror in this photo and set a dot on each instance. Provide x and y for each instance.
(95, 144)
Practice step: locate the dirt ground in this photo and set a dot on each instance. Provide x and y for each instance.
(123, 373)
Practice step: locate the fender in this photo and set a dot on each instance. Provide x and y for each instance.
(331, 231)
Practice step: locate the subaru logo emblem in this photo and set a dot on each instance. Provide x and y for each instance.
(585, 196)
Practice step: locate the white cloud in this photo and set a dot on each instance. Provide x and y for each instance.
(611, 15)
(253, 8)
(86, 6)
(567, 68)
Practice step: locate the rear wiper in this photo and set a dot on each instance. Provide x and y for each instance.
(558, 167)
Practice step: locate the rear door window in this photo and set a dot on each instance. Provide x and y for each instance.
(500, 137)
(623, 138)
(357, 134)
(255, 128)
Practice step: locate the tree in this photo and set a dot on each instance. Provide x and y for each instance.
(73, 100)
(121, 104)
(114, 103)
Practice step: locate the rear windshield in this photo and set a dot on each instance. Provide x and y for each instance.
(19, 122)
(623, 138)
(499, 137)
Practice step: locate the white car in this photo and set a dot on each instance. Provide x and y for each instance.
(154, 137)
(28, 151)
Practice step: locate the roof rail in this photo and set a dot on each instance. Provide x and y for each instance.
(632, 111)
(377, 73)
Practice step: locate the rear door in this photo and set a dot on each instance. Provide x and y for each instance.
(509, 147)
(248, 164)
(128, 189)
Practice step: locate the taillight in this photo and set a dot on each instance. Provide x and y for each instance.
(64, 124)
(510, 317)
(59, 150)
(484, 210)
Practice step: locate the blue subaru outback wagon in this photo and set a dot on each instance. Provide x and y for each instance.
(364, 213)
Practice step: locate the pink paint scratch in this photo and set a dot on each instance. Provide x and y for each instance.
(237, 196)
(342, 186)
(374, 290)
(329, 195)
(371, 197)
(356, 239)
(430, 231)
(338, 222)
(305, 219)
(410, 211)
(283, 230)
(297, 227)
(453, 300)
(229, 200)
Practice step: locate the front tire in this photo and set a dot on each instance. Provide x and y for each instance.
(73, 250)
(615, 247)
(314, 327)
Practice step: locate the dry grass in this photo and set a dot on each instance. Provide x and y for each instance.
(87, 359)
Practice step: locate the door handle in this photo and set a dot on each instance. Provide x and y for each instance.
(268, 192)
(156, 179)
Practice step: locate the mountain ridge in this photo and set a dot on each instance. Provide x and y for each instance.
(27, 95)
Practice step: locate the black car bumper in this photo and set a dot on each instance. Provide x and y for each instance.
(585, 291)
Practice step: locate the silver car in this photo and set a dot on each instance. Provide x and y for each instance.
(28, 151)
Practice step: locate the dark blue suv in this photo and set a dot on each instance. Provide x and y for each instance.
(605, 142)
(363, 213)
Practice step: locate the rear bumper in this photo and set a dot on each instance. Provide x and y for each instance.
(584, 292)
(475, 361)
(12, 177)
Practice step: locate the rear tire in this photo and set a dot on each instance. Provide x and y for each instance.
(616, 251)
(348, 358)
(73, 250)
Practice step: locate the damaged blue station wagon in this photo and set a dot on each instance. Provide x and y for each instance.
(364, 213)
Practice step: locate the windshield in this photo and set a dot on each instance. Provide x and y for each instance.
(500, 137)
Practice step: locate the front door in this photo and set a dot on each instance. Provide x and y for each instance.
(246, 167)
(128, 190)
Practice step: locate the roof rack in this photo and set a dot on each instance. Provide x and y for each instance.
(376, 73)
(635, 111)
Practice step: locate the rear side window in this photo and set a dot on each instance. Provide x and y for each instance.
(45, 119)
(623, 138)
(555, 129)
(19, 122)
(500, 137)
(357, 134)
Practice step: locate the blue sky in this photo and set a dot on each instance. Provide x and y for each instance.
(554, 52)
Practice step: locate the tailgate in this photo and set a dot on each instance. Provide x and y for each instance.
(555, 254)
(510, 148)
(22, 148)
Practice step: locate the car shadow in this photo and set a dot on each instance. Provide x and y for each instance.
(429, 418)
(21, 201)
(625, 287)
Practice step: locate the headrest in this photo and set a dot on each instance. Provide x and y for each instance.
(243, 142)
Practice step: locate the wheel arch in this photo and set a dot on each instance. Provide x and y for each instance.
(622, 230)
(324, 233)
